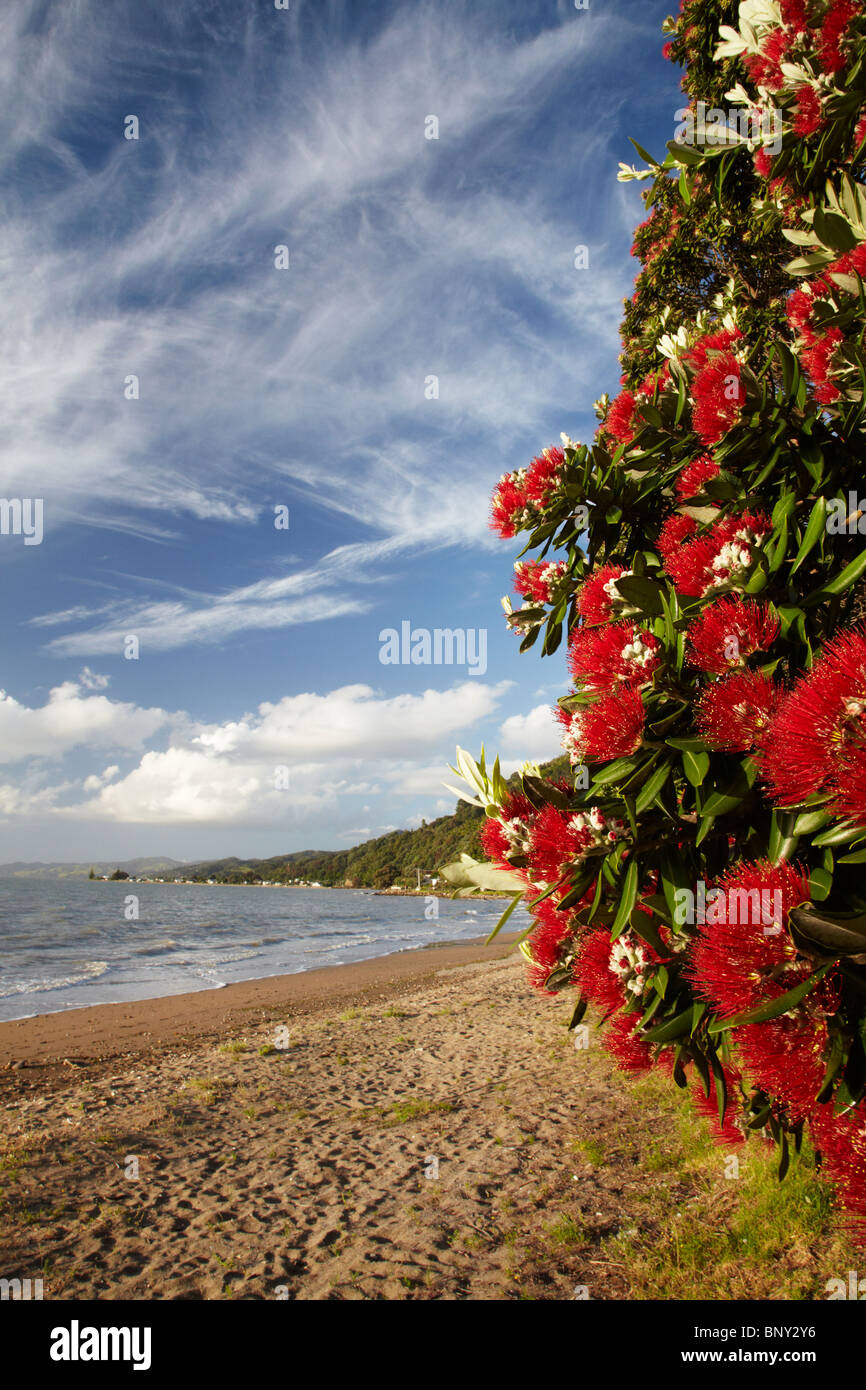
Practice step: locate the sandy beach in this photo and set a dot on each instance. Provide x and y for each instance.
(417, 1126)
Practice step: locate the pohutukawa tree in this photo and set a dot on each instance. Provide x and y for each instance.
(700, 877)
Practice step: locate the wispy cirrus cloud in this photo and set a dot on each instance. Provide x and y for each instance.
(409, 258)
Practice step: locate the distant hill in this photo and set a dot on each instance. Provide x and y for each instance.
(392, 858)
(134, 867)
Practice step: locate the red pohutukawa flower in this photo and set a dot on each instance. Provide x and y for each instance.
(795, 14)
(630, 1051)
(593, 974)
(733, 713)
(705, 349)
(610, 973)
(550, 940)
(620, 422)
(810, 112)
(509, 833)
(611, 727)
(851, 782)
(676, 529)
(763, 163)
(730, 1131)
(543, 477)
(833, 33)
(598, 597)
(560, 838)
(819, 359)
(841, 1142)
(764, 67)
(818, 733)
(726, 633)
(695, 474)
(538, 580)
(784, 1057)
(510, 510)
(744, 954)
(603, 658)
(723, 555)
(719, 396)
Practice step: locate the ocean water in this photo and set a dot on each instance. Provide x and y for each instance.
(68, 944)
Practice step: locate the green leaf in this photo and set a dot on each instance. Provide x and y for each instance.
(504, 918)
(647, 158)
(773, 1008)
(641, 592)
(728, 798)
(849, 575)
(628, 898)
(834, 231)
(468, 873)
(706, 826)
(846, 937)
(671, 1028)
(841, 834)
(814, 531)
(695, 766)
(820, 884)
(651, 787)
(577, 1016)
(810, 821)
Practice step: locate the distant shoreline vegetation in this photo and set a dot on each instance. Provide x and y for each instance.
(407, 860)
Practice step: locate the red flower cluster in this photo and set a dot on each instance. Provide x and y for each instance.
(509, 833)
(549, 941)
(521, 496)
(726, 633)
(722, 555)
(810, 112)
(611, 727)
(676, 530)
(701, 353)
(695, 474)
(816, 741)
(834, 31)
(509, 511)
(543, 477)
(763, 163)
(765, 68)
(841, 1142)
(597, 597)
(558, 839)
(603, 658)
(819, 346)
(719, 396)
(620, 421)
(784, 1057)
(744, 954)
(538, 580)
(733, 713)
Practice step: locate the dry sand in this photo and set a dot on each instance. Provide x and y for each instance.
(422, 1134)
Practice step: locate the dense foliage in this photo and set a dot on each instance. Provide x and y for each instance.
(700, 878)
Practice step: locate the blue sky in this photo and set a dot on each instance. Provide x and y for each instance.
(303, 387)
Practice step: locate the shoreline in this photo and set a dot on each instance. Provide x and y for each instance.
(101, 1032)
